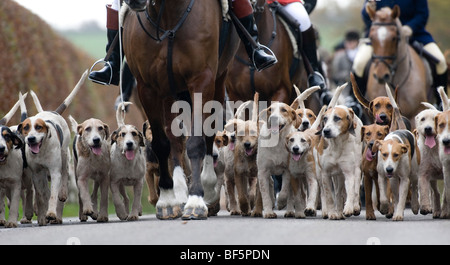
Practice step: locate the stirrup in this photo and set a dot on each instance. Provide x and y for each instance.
(110, 69)
(270, 52)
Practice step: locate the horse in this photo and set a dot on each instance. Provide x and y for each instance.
(172, 67)
(275, 83)
(395, 62)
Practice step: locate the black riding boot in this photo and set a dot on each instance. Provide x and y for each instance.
(260, 59)
(441, 80)
(310, 48)
(128, 83)
(104, 75)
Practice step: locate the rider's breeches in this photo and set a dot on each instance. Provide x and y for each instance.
(242, 8)
(298, 11)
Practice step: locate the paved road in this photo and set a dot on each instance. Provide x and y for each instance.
(225, 229)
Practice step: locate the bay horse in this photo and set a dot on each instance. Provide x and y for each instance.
(275, 83)
(395, 62)
(179, 63)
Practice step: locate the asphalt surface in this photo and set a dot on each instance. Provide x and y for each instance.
(236, 230)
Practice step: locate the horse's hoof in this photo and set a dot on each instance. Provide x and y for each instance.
(197, 213)
(168, 213)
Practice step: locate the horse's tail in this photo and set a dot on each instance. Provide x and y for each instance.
(397, 122)
(360, 97)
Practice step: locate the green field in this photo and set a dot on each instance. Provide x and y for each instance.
(93, 43)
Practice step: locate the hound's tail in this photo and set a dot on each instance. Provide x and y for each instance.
(120, 115)
(397, 120)
(336, 95)
(360, 97)
(72, 94)
(255, 107)
(73, 125)
(444, 98)
(303, 96)
(23, 107)
(8, 116)
(36, 101)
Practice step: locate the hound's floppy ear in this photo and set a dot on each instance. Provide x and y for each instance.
(114, 136)
(351, 118)
(376, 145)
(363, 130)
(80, 129)
(225, 139)
(395, 12)
(141, 139)
(17, 140)
(19, 128)
(106, 130)
(404, 148)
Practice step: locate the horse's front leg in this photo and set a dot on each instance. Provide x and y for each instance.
(199, 148)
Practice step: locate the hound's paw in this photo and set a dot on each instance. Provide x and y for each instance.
(56, 221)
(25, 221)
(235, 213)
(445, 215)
(257, 214)
(50, 216)
(2, 222)
(310, 212)
(102, 219)
(397, 218)
(133, 218)
(370, 215)
(270, 215)
(336, 216)
(289, 214)
(11, 224)
(426, 209)
(88, 212)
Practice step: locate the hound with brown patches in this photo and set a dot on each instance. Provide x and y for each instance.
(127, 167)
(92, 161)
(339, 157)
(430, 167)
(245, 168)
(220, 145)
(281, 121)
(47, 137)
(302, 171)
(369, 134)
(442, 121)
(12, 177)
(398, 161)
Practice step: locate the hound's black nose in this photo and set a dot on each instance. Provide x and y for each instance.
(247, 145)
(32, 139)
(295, 149)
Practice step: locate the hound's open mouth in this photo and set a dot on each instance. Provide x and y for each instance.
(249, 151)
(370, 155)
(296, 156)
(447, 150)
(129, 154)
(430, 140)
(35, 148)
(276, 129)
(97, 150)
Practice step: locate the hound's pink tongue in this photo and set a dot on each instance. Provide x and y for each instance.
(129, 154)
(447, 150)
(296, 157)
(430, 141)
(275, 128)
(379, 120)
(231, 146)
(96, 150)
(34, 148)
(369, 155)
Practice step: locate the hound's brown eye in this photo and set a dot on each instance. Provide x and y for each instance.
(27, 127)
(38, 127)
(283, 110)
(100, 128)
(302, 140)
(134, 133)
(123, 134)
(88, 129)
(291, 140)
